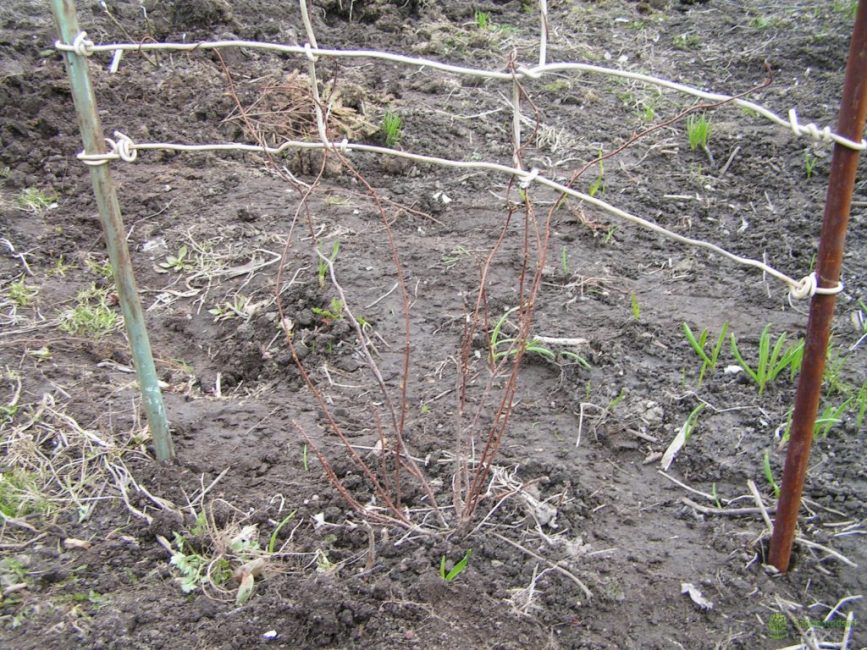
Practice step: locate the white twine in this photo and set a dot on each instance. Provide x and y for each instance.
(824, 134)
(809, 287)
(86, 48)
(123, 148)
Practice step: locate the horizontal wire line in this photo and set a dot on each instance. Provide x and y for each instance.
(820, 133)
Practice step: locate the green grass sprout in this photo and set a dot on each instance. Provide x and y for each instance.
(457, 569)
(772, 359)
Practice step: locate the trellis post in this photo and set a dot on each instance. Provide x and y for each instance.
(66, 21)
(844, 167)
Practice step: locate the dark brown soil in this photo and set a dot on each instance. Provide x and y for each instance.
(237, 402)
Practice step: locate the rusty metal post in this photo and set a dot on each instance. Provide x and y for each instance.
(844, 166)
(66, 21)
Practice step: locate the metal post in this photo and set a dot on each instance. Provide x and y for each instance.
(844, 166)
(66, 21)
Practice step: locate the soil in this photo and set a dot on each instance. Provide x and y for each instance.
(579, 539)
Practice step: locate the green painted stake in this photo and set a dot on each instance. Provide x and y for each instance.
(66, 21)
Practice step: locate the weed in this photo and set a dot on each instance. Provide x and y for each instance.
(557, 86)
(483, 19)
(454, 256)
(861, 406)
(698, 130)
(634, 307)
(686, 42)
(20, 495)
(60, 268)
(35, 200)
(769, 474)
(532, 346)
(322, 265)
(772, 359)
(708, 361)
(598, 185)
(92, 316)
(609, 235)
(392, 127)
(648, 114)
(809, 163)
(239, 307)
(272, 541)
(457, 569)
(305, 461)
(21, 293)
(830, 417)
(564, 260)
(333, 313)
(102, 269)
(178, 263)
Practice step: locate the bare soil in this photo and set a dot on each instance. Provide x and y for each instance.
(577, 499)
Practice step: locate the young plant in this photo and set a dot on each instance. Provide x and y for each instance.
(333, 313)
(483, 19)
(21, 293)
(698, 130)
(391, 128)
(769, 474)
(598, 185)
(322, 265)
(178, 263)
(708, 361)
(91, 317)
(634, 307)
(772, 359)
(457, 569)
(532, 346)
(809, 163)
(564, 260)
(830, 417)
(35, 200)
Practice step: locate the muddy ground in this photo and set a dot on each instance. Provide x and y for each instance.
(579, 540)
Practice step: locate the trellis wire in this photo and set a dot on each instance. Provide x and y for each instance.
(124, 149)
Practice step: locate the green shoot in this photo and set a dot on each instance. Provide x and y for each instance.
(709, 361)
(92, 316)
(598, 185)
(305, 460)
(322, 266)
(769, 474)
(634, 306)
(564, 260)
(772, 360)
(391, 129)
(272, 541)
(715, 496)
(861, 405)
(532, 346)
(483, 19)
(698, 131)
(809, 163)
(21, 293)
(830, 417)
(686, 42)
(177, 263)
(333, 313)
(692, 421)
(457, 569)
(35, 200)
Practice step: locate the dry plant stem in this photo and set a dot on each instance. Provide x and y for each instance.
(551, 564)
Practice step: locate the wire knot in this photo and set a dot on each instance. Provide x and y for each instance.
(308, 52)
(122, 148)
(81, 45)
(809, 286)
(825, 134)
(528, 178)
